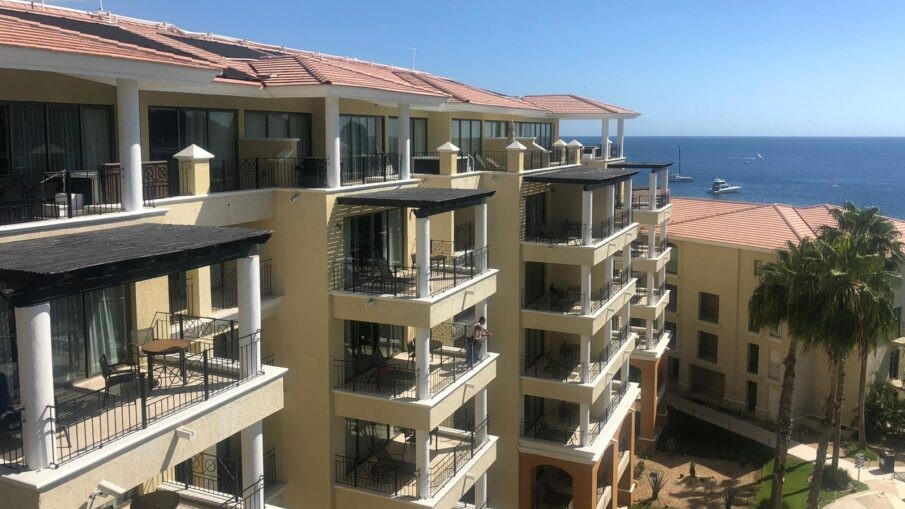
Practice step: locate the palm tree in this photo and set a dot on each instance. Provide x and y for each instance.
(878, 235)
(855, 292)
(783, 295)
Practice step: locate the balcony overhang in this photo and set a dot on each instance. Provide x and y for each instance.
(652, 265)
(425, 200)
(37, 270)
(650, 312)
(654, 166)
(416, 414)
(588, 177)
(653, 217)
(572, 254)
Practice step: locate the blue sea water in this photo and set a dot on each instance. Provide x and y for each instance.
(796, 171)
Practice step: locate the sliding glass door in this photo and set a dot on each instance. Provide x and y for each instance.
(418, 133)
(466, 134)
(172, 129)
(375, 236)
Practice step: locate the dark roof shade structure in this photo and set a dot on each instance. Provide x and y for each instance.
(40, 269)
(425, 200)
(589, 177)
(653, 166)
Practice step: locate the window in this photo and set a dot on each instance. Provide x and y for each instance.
(375, 236)
(758, 267)
(36, 137)
(496, 129)
(360, 135)
(774, 331)
(709, 307)
(673, 303)
(672, 266)
(671, 329)
(753, 358)
(751, 396)
(707, 346)
(271, 124)
(535, 215)
(542, 132)
(172, 129)
(466, 134)
(417, 131)
(673, 368)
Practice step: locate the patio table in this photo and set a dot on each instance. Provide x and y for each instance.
(162, 347)
(156, 500)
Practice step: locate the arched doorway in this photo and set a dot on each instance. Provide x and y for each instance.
(552, 488)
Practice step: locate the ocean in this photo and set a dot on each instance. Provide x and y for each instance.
(796, 171)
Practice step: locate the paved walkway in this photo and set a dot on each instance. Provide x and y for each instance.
(768, 437)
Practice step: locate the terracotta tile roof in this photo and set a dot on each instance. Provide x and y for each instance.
(29, 34)
(755, 225)
(240, 61)
(573, 104)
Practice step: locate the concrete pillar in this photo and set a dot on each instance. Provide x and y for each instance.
(575, 147)
(194, 170)
(665, 181)
(128, 129)
(587, 217)
(480, 486)
(650, 288)
(449, 158)
(422, 462)
(480, 225)
(585, 289)
(620, 137)
(652, 189)
(585, 352)
(422, 362)
(248, 272)
(36, 384)
(605, 138)
(422, 255)
(515, 157)
(253, 464)
(627, 198)
(331, 138)
(404, 141)
(584, 416)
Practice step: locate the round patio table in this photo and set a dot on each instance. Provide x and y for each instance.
(166, 347)
(156, 500)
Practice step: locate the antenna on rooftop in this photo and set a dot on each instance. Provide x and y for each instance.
(414, 53)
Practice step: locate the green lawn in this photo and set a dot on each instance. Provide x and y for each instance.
(795, 489)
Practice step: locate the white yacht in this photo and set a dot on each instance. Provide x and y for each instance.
(720, 186)
(677, 176)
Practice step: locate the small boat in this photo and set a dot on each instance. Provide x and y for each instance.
(677, 176)
(747, 162)
(720, 186)
(759, 156)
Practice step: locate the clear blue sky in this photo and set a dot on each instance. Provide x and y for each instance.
(717, 67)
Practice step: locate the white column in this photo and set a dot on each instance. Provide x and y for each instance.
(587, 217)
(584, 415)
(36, 383)
(252, 439)
(620, 136)
(651, 240)
(480, 410)
(627, 199)
(422, 462)
(585, 289)
(249, 281)
(480, 225)
(666, 181)
(422, 254)
(404, 141)
(585, 352)
(128, 129)
(331, 137)
(422, 362)
(605, 138)
(650, 288)
(652, 189)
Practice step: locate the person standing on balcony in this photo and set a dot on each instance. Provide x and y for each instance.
(480, 335)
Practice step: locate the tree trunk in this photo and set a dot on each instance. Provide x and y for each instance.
(837, 413)
(826, 428)
(862, 396)
(784, 425)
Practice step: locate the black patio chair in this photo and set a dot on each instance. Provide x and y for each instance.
(114, 377)
(393, 461)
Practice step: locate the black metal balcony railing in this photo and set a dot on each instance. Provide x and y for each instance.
(248, 496)
(304, 172)
(537, 159)
(368, 169)
(641, 199)
(570, 232)
(379, 277)
(394, 478)
(443, 471)
(643, 342)
(569, 300)
(88, 422)
(641, 249)
(218, 475)
(489, 160)
(367, 374)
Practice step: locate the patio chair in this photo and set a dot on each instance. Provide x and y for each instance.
(410, 346)
(393, 461)
(557, 298)
(114, 377)
(386, 275)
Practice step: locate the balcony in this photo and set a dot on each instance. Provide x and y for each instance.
(225, 285)
(569, 300)
(647, 260)
(561, 426)
(560, 309)
(562, 242)
(391, 471)
(649, 304)
(644, 213)
(306, 172)
(650, 347)
(85, 418)
(212, 480)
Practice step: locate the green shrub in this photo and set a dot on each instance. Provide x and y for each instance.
(639, 468)
(836, 479)
(852, 449)
(765, 504)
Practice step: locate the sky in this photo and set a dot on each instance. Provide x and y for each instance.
(695, 68)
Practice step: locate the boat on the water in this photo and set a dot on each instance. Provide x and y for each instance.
(677, 176)
(720, 186)
(759, 156)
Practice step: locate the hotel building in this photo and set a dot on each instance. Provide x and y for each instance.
(281, 256)
(717, 358)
